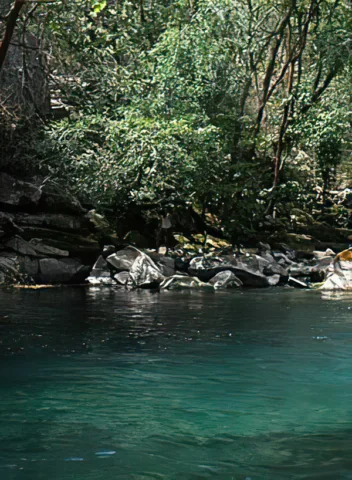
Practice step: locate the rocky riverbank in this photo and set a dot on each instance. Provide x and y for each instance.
(46, 236)
(134, 268)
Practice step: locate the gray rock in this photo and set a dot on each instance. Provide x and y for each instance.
(101, 263)
(276, 269)
(225, 279)
(21, 246)
(144, 273)
(18, 193)
(7, 223)
(122, 278)
(53, 270)
(123, 259)
(282, 258)
(274, 280)
(31, 266)
(41, 248)
(299, 270)
(9, 264)
(52, 220)
(75, 244)
(254, 262)
(165, 264)
(320, 255)
(339, 276)
(249, 277)
(264, 247)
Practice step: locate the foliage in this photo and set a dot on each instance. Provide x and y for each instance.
(240, 107)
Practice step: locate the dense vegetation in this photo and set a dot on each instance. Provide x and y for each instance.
(240, 107)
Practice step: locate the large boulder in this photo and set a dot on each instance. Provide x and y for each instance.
(100, 271)
(55, 199)
(53, 270)
(339, 275)
(165, 264)
(206, 269)
(123, 259)
(144, 273)
(225, 279)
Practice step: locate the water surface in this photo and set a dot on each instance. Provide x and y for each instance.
(103, 384)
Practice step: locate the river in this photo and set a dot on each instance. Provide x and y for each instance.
(104, 384)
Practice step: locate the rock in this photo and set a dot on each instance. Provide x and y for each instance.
(274, 280)
(75, 244)
(264, 247)
(100, 269)
(21, 246)
(283, 258)
(198, 265)
(123, 259)
(182, 264)
(254, 262)
(53, 220)
(328, 253)
(122, 278)
(7, 223)
(101, 263)
(144, 273)
(249, 278)
(339, 275)
(293, 282)
(53, 270)
(165, 264)
(43, 249)
(302, 242)
(225, 279)
(182, 281)
(162, 250)
(31, 266)
(17, 193)
(9, 264)
(299, 270)
(55, 199)
(276, 269)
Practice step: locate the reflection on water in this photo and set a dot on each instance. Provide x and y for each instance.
(107, 384)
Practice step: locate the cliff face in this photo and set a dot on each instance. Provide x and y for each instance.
(45, 234)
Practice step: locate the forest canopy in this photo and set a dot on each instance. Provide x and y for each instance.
(240, 107)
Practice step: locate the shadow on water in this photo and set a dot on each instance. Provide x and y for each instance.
(107, 384)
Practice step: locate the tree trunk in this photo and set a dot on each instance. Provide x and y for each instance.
(10, 27)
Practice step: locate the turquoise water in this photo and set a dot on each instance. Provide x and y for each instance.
(109, 385)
